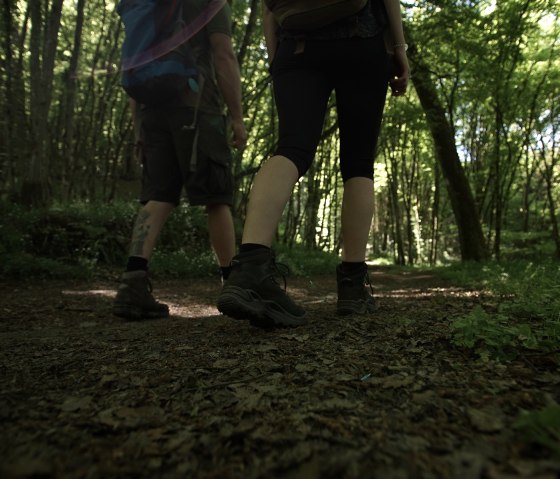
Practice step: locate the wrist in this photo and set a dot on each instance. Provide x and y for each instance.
(400, 46)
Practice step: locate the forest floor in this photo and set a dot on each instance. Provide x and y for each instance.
(389, 396)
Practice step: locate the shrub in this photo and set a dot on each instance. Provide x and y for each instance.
(528, 310)
(75, 239)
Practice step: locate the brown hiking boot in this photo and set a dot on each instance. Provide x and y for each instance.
(252, 292)
(134, 298)
(354, 296)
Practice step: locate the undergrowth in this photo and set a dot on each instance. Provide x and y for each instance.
(524, 320)
(527, 312)
(541, 428)
(74, 241)
(80, 239)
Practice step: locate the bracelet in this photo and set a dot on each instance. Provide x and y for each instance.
(399, 45)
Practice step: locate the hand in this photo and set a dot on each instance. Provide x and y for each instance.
(400, 74)
(239, 134)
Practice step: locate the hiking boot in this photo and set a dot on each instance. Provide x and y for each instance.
(252, 292)
(134, 298)
(353, 295)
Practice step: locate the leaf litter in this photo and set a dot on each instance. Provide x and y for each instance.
(85, 394)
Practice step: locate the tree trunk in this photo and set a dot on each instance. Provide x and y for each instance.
(397, 222)
(435, 217)
(15, 146)
(6, 135)
(552, 212)
(549, 164)
(498, 184)
(471, 239)
(71, 91)
(35, 186)
(312, 202)
(248, 34)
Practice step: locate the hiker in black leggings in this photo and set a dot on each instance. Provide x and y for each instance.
(349, 58)
(306, 73)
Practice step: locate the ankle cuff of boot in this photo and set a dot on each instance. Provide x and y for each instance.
(248, 247)
(347, 267)
(255, 254)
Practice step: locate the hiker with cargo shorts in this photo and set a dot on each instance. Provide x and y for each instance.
(309, 60)
(184, 145)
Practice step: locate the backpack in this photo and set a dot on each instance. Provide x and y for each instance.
(157, 63)
(311, 14)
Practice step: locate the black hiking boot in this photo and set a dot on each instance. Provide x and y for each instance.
(252, 292)
(134, 298)
(353, 295)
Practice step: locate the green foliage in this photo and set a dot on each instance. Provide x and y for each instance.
(530, 245)
(184, 263)
(505, 130)
(63, 240)
(186, 230)
(23, 265)
(74, 240)
(492, 334)
(305, 262)
(541, 427)
(527, 315)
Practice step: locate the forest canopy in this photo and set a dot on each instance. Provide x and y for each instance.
(467, 163)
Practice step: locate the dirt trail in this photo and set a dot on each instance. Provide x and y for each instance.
(87, 395)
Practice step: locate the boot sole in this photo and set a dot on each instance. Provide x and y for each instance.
(348, 307)
(239, 303)
(136, 313)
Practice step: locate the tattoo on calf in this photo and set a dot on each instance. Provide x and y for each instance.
(139, 234)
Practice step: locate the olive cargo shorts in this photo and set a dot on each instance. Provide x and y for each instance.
(177, 154)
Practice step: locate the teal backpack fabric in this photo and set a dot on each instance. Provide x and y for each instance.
(157, 63)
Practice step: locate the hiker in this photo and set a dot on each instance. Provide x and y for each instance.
(185, 144)
(350, 58)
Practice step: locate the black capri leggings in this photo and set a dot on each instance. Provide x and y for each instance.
(304, 75)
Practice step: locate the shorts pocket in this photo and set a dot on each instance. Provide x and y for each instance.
(213, 140)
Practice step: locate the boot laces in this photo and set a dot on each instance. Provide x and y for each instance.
(279, 269)
(359, 281)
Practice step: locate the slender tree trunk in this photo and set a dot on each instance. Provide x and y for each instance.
(497, 185)
(471, 239)
(35, 186)
(527, 187)
(435, 217)
(549, 175)
(549, 161)
(12, 119)
(248, 34)
(71, 91)
(312, 203)
(397, 222)
(6, 134)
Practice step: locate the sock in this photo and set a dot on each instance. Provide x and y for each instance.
(350, 267)
(137, 263)
(226, 270)
(245, 248)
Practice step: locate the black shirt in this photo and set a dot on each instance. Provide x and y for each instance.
(369, 22)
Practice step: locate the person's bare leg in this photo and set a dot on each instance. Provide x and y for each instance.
(221, 232)
(251, 291)
(134, 298)
(270, 192)
(147, 227)
(357, 212)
